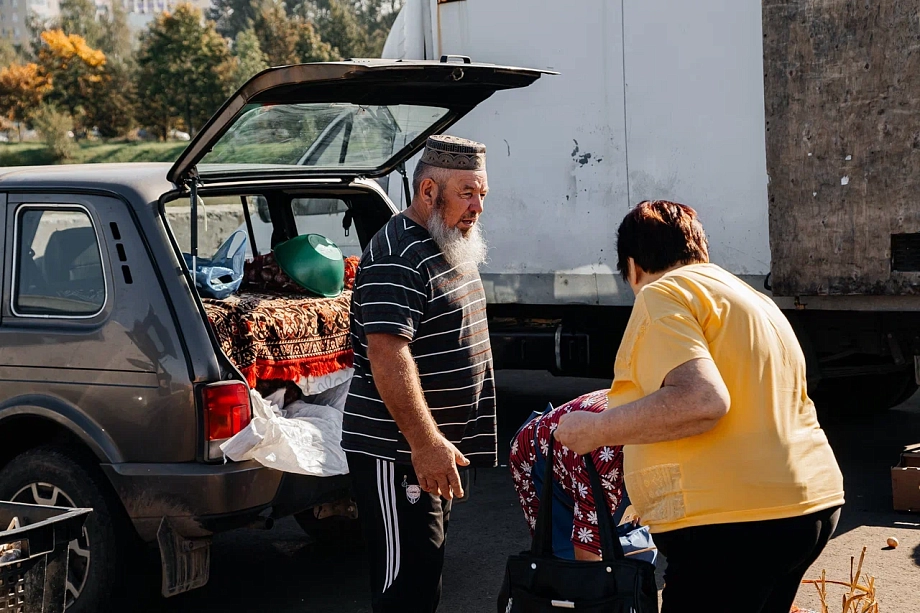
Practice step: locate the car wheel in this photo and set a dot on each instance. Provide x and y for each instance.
(47, 476)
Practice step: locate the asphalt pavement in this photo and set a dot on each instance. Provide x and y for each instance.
(283, 570)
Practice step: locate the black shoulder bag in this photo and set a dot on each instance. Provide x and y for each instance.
(538, 582)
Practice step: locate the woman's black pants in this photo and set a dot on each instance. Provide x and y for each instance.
(753, 567)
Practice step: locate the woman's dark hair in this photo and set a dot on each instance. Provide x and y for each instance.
(659, 235)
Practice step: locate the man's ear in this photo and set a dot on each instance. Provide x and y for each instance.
(428, 192)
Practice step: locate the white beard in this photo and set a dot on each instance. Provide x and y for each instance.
(456, 247)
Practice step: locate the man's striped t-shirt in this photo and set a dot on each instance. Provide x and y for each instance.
(404, 286)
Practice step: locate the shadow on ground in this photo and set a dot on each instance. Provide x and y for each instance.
(283, 571)
(867, 446)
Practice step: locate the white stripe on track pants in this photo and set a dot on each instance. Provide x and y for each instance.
(405, 530)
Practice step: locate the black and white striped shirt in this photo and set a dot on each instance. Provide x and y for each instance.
(405, 286)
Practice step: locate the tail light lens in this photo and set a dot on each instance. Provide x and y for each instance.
(226, 409)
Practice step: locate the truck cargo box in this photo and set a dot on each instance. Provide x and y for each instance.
(842, 100)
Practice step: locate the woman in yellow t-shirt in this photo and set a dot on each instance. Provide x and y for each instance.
(723, 455)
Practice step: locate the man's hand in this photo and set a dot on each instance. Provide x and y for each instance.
(579, 430)
(435, 466)
(434, 458)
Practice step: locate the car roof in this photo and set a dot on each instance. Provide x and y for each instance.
(140, 183)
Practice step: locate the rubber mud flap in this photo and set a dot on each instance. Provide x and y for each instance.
(185, 563)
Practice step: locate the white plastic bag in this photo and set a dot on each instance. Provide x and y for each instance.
(273, 402)
(310, 444)
(333, 396)
(317, 385)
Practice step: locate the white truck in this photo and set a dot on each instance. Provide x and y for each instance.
(793, 127)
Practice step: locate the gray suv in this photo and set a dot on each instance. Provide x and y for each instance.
(114, 391)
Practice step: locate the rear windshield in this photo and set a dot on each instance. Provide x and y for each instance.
(320, 135)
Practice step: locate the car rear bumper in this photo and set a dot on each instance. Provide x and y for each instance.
(201, 499)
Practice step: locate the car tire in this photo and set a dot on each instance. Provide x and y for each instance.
(48, 475)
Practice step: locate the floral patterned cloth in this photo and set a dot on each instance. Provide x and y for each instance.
(568, 470)
(280, 336)
(351, 269)
(275, 329)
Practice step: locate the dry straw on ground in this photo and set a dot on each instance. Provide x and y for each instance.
(860, 597)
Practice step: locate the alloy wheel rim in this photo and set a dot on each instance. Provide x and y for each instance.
(78, 557)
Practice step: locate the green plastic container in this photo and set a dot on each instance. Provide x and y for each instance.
(313, 262)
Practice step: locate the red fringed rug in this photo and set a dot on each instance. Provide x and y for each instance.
(277, 336)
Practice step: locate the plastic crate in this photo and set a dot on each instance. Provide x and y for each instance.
(36, 581)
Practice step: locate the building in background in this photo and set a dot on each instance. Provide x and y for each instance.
(13, 14)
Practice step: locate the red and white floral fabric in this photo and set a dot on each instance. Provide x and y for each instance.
(568, 470)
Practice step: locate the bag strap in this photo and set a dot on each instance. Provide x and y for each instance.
(621, 509)
(610, 543)
(542, 544)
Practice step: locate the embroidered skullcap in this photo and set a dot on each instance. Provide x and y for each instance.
(454, 153)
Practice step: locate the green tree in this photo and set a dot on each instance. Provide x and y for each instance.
(377, 17)
(287, 39)
(377, 14)
(35, 25)
(289, 30)
(278, 34)
(118, 41)
(112, 106)
(311, 47)
(9, 54)
(79, 17)
(250, 60)
(338, 25)
(56, 129)
(233, 16)
(356, 28)
(185, 71)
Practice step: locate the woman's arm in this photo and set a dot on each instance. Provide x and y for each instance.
(691, 401)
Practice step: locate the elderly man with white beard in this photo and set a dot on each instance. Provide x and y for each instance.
(422, 401)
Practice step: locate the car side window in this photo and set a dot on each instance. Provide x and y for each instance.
(58, 265)
(325, 216)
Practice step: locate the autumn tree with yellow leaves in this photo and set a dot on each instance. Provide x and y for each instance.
(22, 89)
(89, 66)
(76, 70)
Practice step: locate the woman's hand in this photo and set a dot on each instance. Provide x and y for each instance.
(580, 431)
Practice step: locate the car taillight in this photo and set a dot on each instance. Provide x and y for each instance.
(226, 409)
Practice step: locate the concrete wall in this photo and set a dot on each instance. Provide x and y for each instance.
(215, 224)
(843, 143)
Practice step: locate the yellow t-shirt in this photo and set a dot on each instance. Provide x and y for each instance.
(768, 458)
